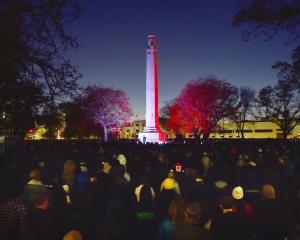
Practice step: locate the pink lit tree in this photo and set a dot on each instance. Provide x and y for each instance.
(108, 107)
(201, 105)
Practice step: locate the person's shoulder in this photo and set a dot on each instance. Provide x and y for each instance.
(248, 207)
(187, 231)
(14, 204)
(166, 223)
(191, 228)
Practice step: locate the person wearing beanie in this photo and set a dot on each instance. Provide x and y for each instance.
(169, 188)
(238, 193)
(173, 220)
(83, 178)
(205, 161)
(73, 235)
(137, 192)
(191, 228)
(35, 177)
(122, 161)
(114, 225)
(69, 175)
(145, 220)
(67, 194)
(106, 168)
(41, 222)
(33, 187)
(270, 220)
(268, 192)
(241, 208)
(226, 225)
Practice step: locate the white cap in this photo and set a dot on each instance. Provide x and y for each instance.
(122, 159)
(238, 193)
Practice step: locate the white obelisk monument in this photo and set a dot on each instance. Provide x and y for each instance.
(152, 132)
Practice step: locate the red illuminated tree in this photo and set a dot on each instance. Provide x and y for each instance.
(201, 105)
(170, 113)
(107, 106)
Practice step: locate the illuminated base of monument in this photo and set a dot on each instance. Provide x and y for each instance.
(152, 136)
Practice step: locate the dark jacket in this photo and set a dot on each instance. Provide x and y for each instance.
(190, 232)
(41, 224)
(13, 214)
(270, 221)
(228, 226)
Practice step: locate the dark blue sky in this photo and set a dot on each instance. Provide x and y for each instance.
(194, 39)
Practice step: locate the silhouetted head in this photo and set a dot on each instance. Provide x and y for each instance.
(193, 213)
(176, 211)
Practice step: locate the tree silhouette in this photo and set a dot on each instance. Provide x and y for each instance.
(33, 41)
(20, 105)
(281, 103)
(32, 64)
(77, 122)
(269, 17)
(243, 108)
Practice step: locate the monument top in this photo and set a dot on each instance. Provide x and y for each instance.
(151, 36)
(151, 40)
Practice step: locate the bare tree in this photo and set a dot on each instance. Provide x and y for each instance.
(269, 17)
(33, 42)
(281, 103)
(107, 106)
(243, 108)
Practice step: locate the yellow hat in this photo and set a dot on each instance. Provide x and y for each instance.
(168, 184)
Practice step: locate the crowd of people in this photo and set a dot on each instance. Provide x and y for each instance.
(75, 190)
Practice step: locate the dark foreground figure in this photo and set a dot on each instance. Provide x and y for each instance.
(76, 190)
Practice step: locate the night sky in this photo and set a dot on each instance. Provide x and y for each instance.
(194, 39)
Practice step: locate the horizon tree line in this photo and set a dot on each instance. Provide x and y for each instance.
(36, 78)
(199, 109)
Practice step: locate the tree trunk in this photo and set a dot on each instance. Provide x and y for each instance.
(285, 131)
(238, 130)
(284, 134)
(104, 133)
(242, 130)
(197, 136)
(205, 135)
